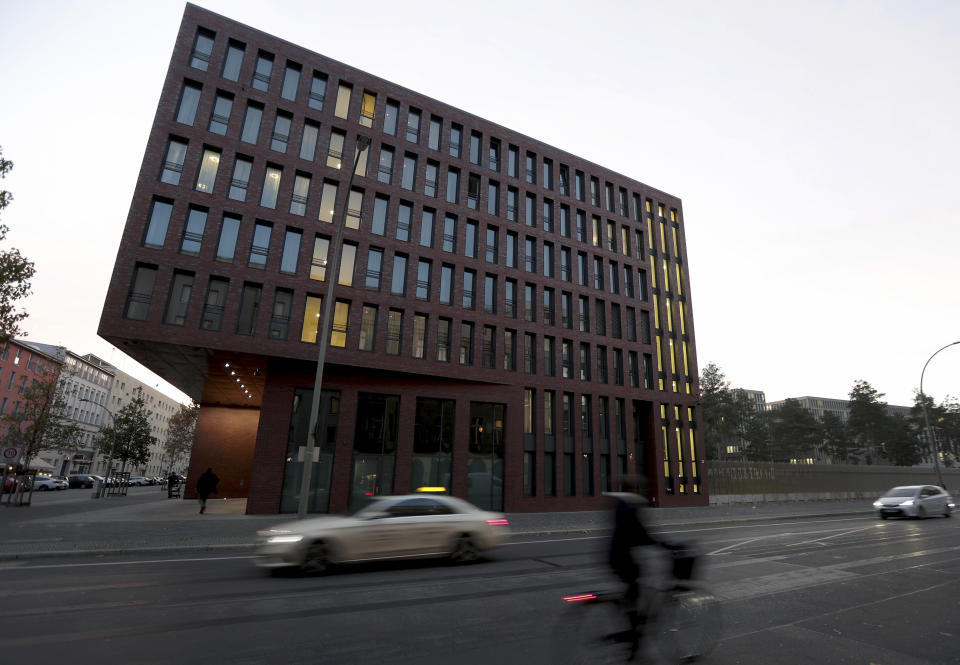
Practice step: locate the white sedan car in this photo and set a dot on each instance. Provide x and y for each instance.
(43, 483)
(914, 501)
(389, 527)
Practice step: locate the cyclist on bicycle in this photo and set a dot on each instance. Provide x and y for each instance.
(629, 532)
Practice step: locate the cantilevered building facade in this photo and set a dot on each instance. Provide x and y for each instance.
(511, 322)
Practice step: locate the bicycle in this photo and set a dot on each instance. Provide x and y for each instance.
(682, 618)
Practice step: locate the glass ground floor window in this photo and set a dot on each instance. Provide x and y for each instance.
(329, 410)
(374, 447)
(485, 463)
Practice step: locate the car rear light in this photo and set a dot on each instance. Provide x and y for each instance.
(580, 598)
(499, 521)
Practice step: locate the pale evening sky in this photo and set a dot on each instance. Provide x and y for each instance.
(815, 146)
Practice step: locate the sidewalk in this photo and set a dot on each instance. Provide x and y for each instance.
(147, 523)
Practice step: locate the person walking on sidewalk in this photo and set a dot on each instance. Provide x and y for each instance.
(206, 485)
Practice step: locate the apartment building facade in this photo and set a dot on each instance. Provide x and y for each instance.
(511, 322)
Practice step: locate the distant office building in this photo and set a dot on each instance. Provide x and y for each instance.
(757, 397)
(510, 322)
(818, 406)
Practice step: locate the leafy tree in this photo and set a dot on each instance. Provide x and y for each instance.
(794, 432)
(756, 434)
(41, 423)
(182, 430)
(131, 427)
(719, 414)
(750, 426)
(868, 421)
(837, 441)
(15, 272)
(900, 441)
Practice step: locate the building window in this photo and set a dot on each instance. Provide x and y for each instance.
(490, 294)
(214, 303)
(368, 109)
(566, 310)
(227, 245)
(456, 139)
(548, 259)
(209, 164)
(548, 216)
(308, 141)
(423, 279)
(233, 61)
(530, 303)
(311, 319)
(491, 244)
(318, 262)
(249, 306)
(493, 198)
(271, 187)
(470, 240)
(530, 254)
(242, 167)
(368, 328)
(348, 259)
(291, 251)
(280, 316)
(220, 115)
(260, 246)
(419, 341)
(600, 317)
(398, 284)
(531, 168)
(436, 129)
(430, 178)
(547, 173)
(488, 348)
(602, 364)
(510, 298)
(374, 268)
(446, 284)
(548, 306)
(159, 221)
(354, 209)
(530, 210)
(443, 340)
(341, 318)
(328, 201)
(335, 149)
(251, 123)
(385, 166)
(549, 359)
(262, 72)
(529, 353)
(193, 231)
(408, 177)
(494, 155)
(189, 100)
(342, 108)
(281, 132)
(511, 251)
(318, 91)
(413, 125)
(469, 289)
(300, 195)
(449, 241)
(473, 191)
(566, 359)
(378, 224)
(466, 343)
(404, 215)
(427, 217)
(291, 81)
(394, 330)
(140, 294)
(512, 195)
(173, 164)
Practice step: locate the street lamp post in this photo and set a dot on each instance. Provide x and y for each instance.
(926, 417)
(113, 445)
(332, 275)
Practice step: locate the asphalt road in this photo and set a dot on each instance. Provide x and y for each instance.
(831, 591)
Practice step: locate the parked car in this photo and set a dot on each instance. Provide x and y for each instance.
(82, 480)
(917, 501)
(44, 483)
(139, 480)
(9, 483)
(389, 527)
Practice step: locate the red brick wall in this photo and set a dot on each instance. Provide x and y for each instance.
(226, 438)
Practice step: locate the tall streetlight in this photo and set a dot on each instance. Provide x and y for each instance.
(926, 418)
(333, 274)
(113, 445)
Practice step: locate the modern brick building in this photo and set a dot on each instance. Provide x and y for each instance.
(511, 322)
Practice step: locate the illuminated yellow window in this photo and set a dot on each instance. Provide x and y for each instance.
(341, 313)
(679, 279)
(653, 272)
(335, 149)
(673, 215)
(673, 360)
(686, 360)
(354, 208)
(679, 442)
(693, 463)
(649, 205)
(676, 241)
(656, 311)
(683, 318)
(688, 388)
(367, 114)
(649, 231)
(311, 319)
(361, 168)
(660, 210)
(663, 237)
(666, 276)
(669, 311)
(659, 356)
(596, 231)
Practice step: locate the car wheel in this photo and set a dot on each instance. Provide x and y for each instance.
(464, 550)
(42, 488)
(921, 513)
(946, 511)
(316, 560)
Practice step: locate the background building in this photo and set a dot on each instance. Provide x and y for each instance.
(511, 321)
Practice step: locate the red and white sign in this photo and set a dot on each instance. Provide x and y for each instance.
(11, 454)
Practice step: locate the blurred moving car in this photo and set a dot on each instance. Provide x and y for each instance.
(404, 526)
(44, 483)
(139, 480)
(914, 501)
(82, 480)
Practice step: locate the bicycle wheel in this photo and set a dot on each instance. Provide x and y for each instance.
(593, 634)
(688, 626)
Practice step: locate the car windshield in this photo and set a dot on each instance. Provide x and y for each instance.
(902, 491)
(374, 505)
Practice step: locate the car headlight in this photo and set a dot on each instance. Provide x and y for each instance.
(878, 504)
(908, 502)
(276, 536)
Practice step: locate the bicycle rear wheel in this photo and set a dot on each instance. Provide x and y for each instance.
(593, 634)
(689, 626)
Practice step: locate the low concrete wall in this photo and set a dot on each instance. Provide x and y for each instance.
(760, 482)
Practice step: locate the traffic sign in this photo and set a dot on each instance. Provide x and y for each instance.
(11, 454)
